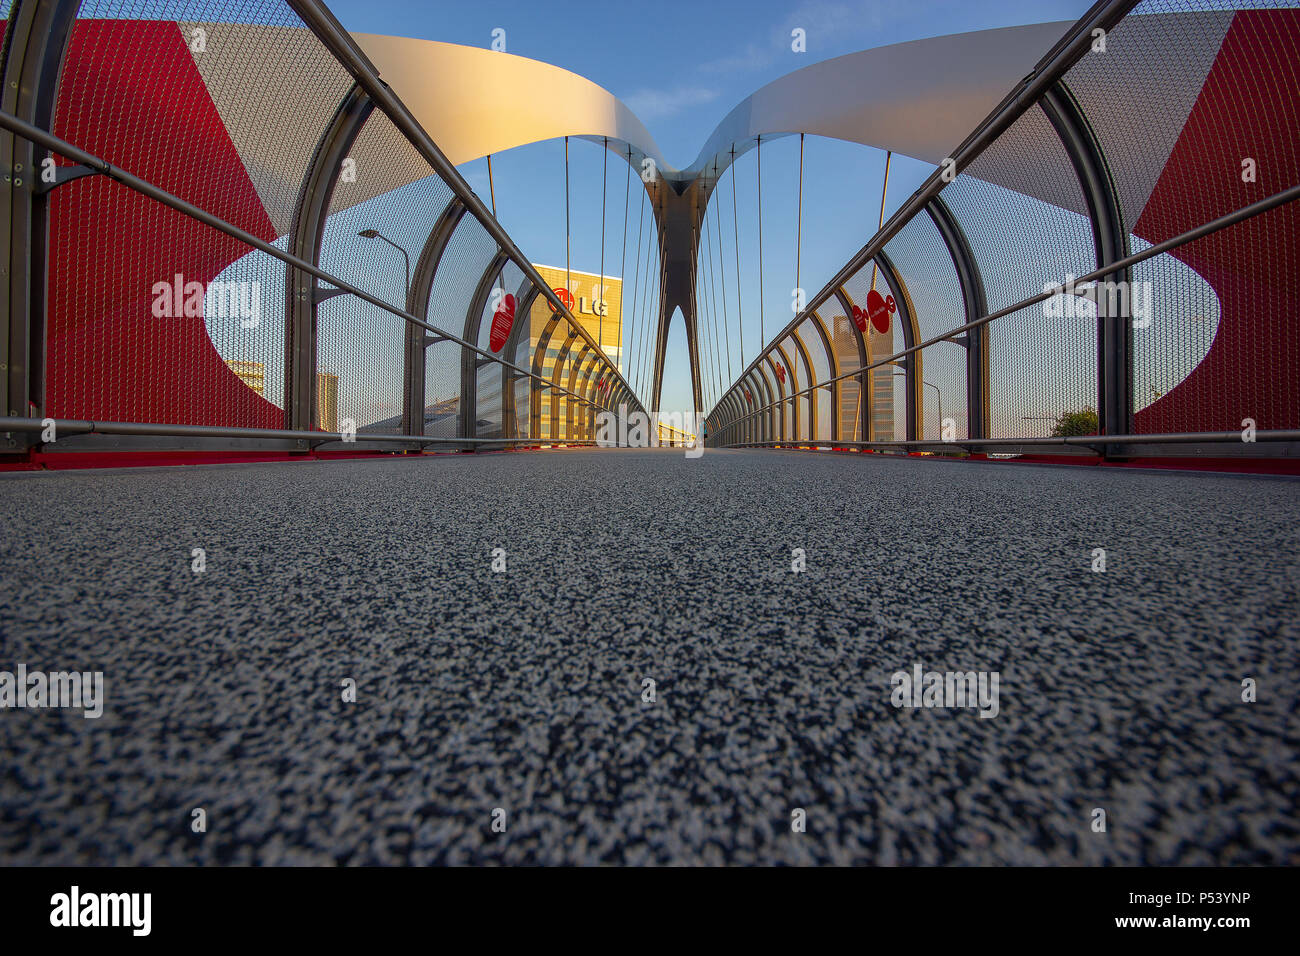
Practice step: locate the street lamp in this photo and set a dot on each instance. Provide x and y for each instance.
(938, 395)
(376, 234)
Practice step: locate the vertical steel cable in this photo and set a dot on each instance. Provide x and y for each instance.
(722, 271)
(652, 312)
(713, 285)
(568, 275)
(715, 238)
(652, 318)
(862, 387)
(798, 229)
(701, 320)
(645, 331)
(740, 311)
(884, 189)
(762, 332)
(492, 193)
(604, 183)
(703, 290)
(636, 284)
(622, 264)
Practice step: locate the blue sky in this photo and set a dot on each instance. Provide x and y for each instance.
(682, 67)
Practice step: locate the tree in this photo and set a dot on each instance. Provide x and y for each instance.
(1082, 422)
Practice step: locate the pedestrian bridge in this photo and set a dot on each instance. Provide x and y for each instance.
(986, 554)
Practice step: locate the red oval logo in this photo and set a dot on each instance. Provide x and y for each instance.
(565, 296)
(860, 318)
(503, 321)
(878, 310)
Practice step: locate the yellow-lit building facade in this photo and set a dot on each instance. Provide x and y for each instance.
(598, 307)
(253, 374)
(880, 415)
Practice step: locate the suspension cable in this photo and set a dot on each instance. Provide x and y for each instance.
(604, 183)
(636, 285)
(492, 192)
(798, 229)
(641, 305)
(622, 262)
(701, 318)
(713, 284)
(722, 271)
(889, 154)
(652, 296)
(652, 246)
(740, 311)
(568, 274)
(762, 333)
(704, 292)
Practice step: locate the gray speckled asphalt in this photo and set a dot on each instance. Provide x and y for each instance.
(1119, 690)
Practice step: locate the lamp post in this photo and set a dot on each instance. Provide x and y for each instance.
(938, 395)
(376, 234)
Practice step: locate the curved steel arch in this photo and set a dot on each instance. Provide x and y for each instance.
(571, 404)
(524, 300)
(833, 367)
(778, 401)
(792, 402)
(469, 361)
(913, 364)
(861, 416)
(810, 383)
(302, 293)
(417, 303)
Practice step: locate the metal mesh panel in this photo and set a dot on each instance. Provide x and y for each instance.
(926, 271)
(119, 346)
(943, 392)
(360, 347)
(468, 253)
(1021, 244)
(1035, 376)
(899, 404)
(880, 345)
(199, 56)
(131, 342)
(925, 268)
(1249, 370)
(1215, 89)
(812, 340)
(490, 399)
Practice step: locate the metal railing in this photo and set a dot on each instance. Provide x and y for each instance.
(49, 381)
(1047, 111)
